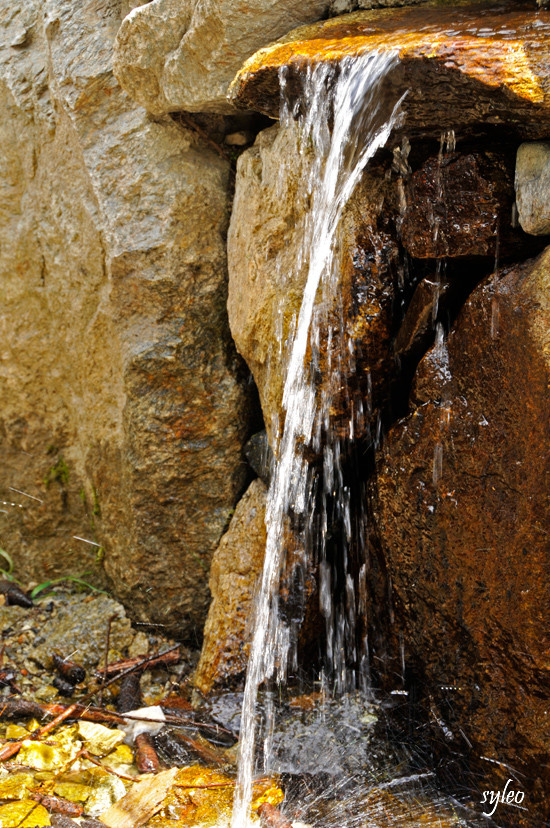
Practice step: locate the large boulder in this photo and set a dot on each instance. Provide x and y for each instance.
(462, 519)
(183, 54)
(458, 75)
(120, 384)
(267, 274)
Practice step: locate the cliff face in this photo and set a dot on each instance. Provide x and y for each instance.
(124, 406)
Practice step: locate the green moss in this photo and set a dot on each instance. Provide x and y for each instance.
(58, 473)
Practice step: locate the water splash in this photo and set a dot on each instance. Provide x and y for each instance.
(338, 133)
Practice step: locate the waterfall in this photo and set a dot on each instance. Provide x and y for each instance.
(341, 120)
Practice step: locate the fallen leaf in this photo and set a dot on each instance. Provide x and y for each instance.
(24, 814)
(145, 798)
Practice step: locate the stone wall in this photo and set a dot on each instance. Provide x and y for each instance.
(125, 405)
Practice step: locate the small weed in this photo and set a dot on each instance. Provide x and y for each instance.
(58, 472)
(50, 585)
(9, 560)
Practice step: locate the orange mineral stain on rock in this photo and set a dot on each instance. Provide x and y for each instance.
(463, 67)
(460, 505)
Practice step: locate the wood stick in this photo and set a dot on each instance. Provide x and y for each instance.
(171, 656)
(190, 124)
(12, 748)
(147, 760)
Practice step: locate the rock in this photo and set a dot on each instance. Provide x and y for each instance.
(239, 139)
(236, 567)
(124, 406)
(267, 277)
(458, 204)
(345, 6)
(80, 631)
(175, 55)
(462, 520)
(461, 73)
(419, 321)
(258, 453)
(533, 187)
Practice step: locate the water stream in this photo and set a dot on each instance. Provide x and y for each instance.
(341, 120)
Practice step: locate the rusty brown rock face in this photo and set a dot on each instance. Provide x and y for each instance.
(458, 205)
(462, 515)
(464, 67)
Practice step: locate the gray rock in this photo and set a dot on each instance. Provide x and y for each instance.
(533, 187)
(183, 54)
(80, 631)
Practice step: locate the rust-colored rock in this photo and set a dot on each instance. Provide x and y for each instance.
(464, 67)
(458, 205)
(418, 323)
(462, 516)
(236, 566)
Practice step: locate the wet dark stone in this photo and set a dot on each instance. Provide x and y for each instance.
(65, 687)
(461, 518)
(129, 697)
(418, 324)
(15, 595)
(171, 749)
(260, 456)
(458, 205)
(71, 672)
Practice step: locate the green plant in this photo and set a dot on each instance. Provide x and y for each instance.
(9, 560)
(59, 472)
(8, 573)
(50, 585)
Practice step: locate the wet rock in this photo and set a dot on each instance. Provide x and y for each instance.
(463, 68)
(418, 324)
(258, 453)
(236, 567)
(462, 520)
(124, 408)
(533, 187)
(345, 6)
(458, 205)
(332, 738)
(175, 55)
(267, 275)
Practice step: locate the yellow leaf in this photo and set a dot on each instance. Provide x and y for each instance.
(24, 814)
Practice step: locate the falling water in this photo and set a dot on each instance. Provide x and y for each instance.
(341, 119)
